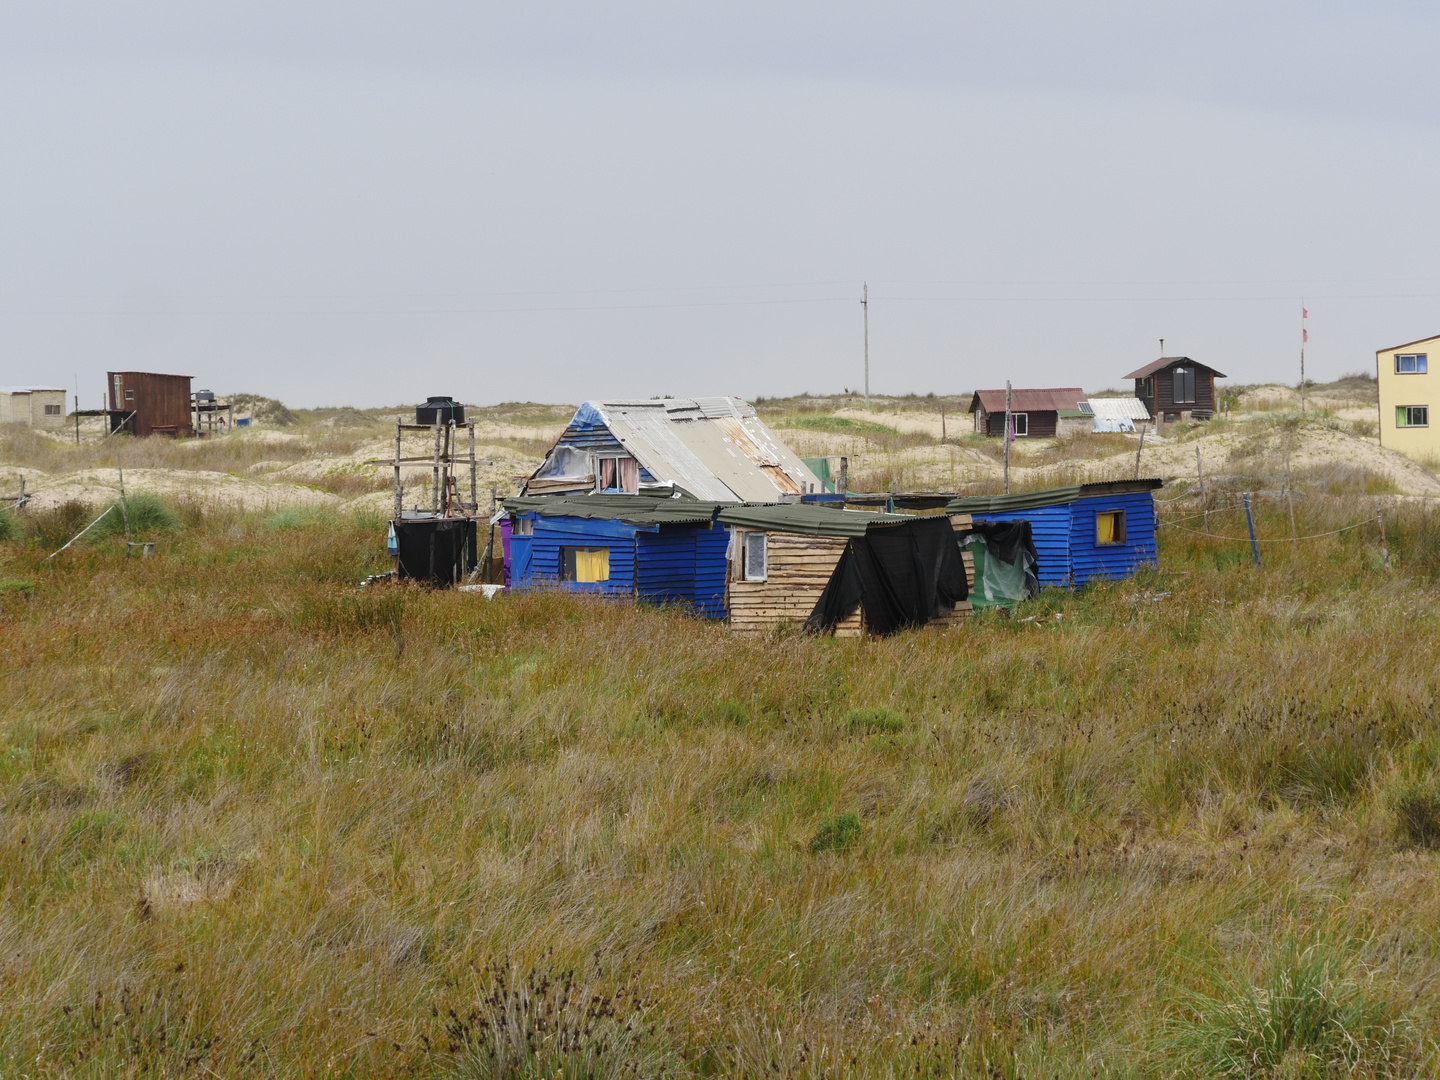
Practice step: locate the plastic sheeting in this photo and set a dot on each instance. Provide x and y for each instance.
(901, 576)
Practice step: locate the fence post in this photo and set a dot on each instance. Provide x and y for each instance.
(1250, 524)
(1204, 502)
(1138, 449)
(1384, 547)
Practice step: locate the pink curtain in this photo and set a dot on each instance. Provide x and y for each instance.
(629, 475)
(607, 473)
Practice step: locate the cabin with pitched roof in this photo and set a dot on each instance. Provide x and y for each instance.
(1037, 414)
(713, 448)
(1177, 388)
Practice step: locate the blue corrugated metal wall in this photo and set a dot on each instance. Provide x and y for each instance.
(1089, 560)
(1065, 538)
(1050, 528)
(553, 533)
(665, 565)
(711, 548)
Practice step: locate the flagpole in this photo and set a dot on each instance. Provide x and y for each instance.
(1304, 337)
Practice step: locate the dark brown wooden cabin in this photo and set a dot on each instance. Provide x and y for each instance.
(1177, 388)
(144, 403)
(1036, 412)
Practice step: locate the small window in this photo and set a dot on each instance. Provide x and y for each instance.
(523, 527)
(1412, 416)
(52, 410)
(584, 564)
(1184, 386)
(1172, 417)
(1110, 527)
(754, 553)
(129, 395)
(1410, 363)
(618, 475)
(1022, 423)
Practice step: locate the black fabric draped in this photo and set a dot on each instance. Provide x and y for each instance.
(902, 575)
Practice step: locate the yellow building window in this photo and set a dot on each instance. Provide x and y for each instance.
(585, 564)
(1412, 416)
(1110, 527)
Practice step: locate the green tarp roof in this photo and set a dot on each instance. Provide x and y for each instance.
(634, 509)
(1034, 500)
(806, 518)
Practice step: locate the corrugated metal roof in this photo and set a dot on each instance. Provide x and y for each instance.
(1030, 500)
(1119, 408)
(1166, 361)
(632, 509)
(32, 389)
(714, 448)
(807, 518)
(1030, 400)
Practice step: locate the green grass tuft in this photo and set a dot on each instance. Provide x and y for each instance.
(874, 721)
(836, 833)
(150, 516)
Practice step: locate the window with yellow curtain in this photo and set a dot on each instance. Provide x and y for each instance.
(585, 564)
(1110, 527)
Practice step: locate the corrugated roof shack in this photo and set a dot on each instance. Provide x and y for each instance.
(1081, 533)
(784, 557)
(655, 550)
(713, 448)
(144, 403)
(1036, 414)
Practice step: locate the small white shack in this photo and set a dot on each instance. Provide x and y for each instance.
(34, 406)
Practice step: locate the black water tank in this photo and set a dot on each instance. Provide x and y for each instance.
(440, 410)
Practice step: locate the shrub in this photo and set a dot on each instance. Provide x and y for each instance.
(9, 530)
(1305, 1019)
(836, 833)
(292, 517)
(1417, 814)
(148, 514)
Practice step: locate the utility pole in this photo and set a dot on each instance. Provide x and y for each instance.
(1008, 421)
(865, 306)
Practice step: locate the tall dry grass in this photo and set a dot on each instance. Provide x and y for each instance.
(257, 822)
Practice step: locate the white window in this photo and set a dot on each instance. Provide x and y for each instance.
(1021, 422)
(523, 527)
(1412, 416)
(1184, 386)
(618, 475)
(753, 552)
(1410, 363)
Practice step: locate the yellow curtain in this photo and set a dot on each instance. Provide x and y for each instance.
(1105, 528)
(592, 565)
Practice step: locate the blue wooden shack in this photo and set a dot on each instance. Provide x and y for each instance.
(1082, 533)
(655, 550)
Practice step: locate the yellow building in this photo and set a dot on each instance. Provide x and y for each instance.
(1408, 389)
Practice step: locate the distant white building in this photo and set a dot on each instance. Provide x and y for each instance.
(34, 406)
(1118, 413)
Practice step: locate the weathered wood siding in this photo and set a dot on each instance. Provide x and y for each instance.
(1042, 424)
(161, 403)
(797, 570)
(1165, 391)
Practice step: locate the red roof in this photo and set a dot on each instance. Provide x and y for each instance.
(1166, 361)
(1049, 400)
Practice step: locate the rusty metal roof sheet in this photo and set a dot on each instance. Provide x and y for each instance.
(1051, 399)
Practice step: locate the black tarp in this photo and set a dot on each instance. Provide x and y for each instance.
(902, 575)
(435, 550)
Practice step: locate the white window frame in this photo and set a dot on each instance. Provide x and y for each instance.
(1409, 411)
(1418, 363)
(617, 458)
(746, 540)
(1015, 419)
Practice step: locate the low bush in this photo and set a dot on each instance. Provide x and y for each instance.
(836, 833)
(1417, 815)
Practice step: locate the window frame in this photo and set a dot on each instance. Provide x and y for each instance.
(54, 410)
(568, 571)
(1407, 411)
(1015, 418)
(1179, 375)
(745, 539)
(129, 395)
(1119, 540)
(1420, 363)
(617, 489)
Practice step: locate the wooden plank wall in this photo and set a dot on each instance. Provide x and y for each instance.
(799, 567)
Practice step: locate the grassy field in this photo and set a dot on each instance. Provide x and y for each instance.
(255, 822)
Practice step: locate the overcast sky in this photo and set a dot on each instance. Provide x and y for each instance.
(366, 203)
